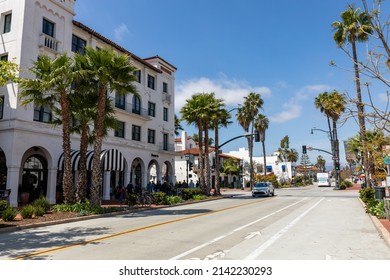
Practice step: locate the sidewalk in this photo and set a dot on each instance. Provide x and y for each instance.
(382, 225)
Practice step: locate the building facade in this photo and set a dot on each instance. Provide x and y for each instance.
(141, 148)
(284, 171)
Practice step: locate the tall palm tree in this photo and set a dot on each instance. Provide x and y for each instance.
(189, 112)
(333, 106)
(178, 126)
(109, 72)
(355, 27)
(220, 118)
(245, 117)
(52, 86)
(261, 124)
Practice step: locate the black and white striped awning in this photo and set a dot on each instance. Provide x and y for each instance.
(111, 160)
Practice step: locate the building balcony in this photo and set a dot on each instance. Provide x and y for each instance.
(140, 113)
(167, 97)
(49, 43)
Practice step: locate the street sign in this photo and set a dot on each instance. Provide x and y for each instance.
(335, 158)
(310, 148)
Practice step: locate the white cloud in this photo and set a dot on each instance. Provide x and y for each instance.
(293, 107)
(120, 32)
(291, 110)
(230, 90)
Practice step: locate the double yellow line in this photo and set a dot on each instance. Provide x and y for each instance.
(56, 249)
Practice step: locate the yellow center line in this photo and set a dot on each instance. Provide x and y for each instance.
(56, 249)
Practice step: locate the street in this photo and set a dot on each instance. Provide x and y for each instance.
(308, 223)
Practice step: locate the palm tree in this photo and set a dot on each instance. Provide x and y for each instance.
(245, 117)
(220, 118)
(108, 72)
(189, 112)
(320, 163)
(355, 27)
(51, 86)
(178, 126)
(333, 106)
(261, 124)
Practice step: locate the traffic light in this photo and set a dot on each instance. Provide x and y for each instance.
(304, 149)
(337, 166)
(190, 165)
(257, 136)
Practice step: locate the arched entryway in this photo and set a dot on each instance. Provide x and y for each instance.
(34, 179)
(3, 171)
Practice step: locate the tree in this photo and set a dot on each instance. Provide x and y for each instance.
(285, 153)
(220, 118)
(355, 27)
(52, 86)
(9, 72)
(246, 116)
(108, 72)
(178, 126)
(261, 124)
(320, 163)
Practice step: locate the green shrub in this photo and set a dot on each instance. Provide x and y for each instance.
(172, 199)
(27, 211)
(39, 211)
(9, 214)
(3, 205)
(188, 193)
(158, 198)
(131, 199)
(84, 208)
(200, 197)
(377, 208)
(42, 202)
(366, 194)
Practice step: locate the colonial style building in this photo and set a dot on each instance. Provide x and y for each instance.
(187, 163)
(141, 147)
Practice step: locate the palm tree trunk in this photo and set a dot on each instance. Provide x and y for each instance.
(207, 155)
(200, 159)
(67, 180)
(99, 131)
(217, 165)
(360, 108)
(264, 158)
(82, 180)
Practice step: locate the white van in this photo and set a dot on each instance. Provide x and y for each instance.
(323, 180)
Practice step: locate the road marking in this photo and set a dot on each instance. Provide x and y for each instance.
(269, 242)
(55, 249)
(232, 232)
(252, 234)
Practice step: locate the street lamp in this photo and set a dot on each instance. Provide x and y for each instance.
(334, 149)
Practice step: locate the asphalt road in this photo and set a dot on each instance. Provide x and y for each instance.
(308, 223)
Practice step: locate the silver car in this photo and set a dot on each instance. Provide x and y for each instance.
(263, 189)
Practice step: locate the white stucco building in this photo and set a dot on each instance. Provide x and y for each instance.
(283, 170)
(188, 149)
(31, 148)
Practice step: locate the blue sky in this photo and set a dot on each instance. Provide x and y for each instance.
(280, 49)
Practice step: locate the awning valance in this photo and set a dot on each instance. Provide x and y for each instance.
(111, 160)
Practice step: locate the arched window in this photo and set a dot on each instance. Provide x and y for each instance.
(136, 105)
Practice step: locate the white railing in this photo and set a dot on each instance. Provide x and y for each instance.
(49, 42)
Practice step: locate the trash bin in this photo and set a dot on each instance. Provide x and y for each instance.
(380, 193)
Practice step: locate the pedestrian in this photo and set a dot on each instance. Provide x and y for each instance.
(191, 184)
(130, 188)
(120, 193)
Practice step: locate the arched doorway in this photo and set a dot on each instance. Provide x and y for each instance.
(3, 171)
(34, 178)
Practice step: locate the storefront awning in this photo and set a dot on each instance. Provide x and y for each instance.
(111, 160)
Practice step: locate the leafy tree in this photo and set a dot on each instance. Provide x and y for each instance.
(320, 163)
(9, 72)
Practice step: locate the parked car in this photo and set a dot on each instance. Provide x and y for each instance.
(263, 189)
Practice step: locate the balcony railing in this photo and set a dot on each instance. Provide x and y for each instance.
(49, 42)
(128, 107)
(167, 147)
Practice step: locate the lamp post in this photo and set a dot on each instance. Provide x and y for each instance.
(335, 154)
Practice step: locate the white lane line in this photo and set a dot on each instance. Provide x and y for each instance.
(233, 231)
(269, 242)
